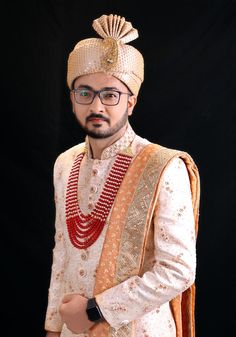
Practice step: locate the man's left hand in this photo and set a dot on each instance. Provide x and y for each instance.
(73, 313)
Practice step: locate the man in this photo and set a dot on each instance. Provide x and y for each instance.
(124, 259)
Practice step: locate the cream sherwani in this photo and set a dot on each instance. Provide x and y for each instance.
(173, 271)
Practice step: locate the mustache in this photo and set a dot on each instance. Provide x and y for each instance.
(100, 116)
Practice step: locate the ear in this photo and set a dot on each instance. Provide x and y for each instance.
(72, 99)
(131, 104)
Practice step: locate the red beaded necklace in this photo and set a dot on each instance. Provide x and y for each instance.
(85, 229)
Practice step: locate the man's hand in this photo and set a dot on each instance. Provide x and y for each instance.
(53, 334)
(73, 313)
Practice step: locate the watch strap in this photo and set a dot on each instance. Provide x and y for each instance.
(93, 311)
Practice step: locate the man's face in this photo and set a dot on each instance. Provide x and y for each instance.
(98, 119)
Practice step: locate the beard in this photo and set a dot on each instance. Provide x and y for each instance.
(96, 133)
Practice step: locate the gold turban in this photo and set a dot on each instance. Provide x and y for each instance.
(109, 54)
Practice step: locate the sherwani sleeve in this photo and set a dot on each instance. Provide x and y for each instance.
(53, 321)
(175, 256)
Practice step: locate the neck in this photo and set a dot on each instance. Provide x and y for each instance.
(99, 145)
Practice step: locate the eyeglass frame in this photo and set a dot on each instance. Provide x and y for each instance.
(97, 92)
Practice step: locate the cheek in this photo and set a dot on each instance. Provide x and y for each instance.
(115, 117)
(117, 114)
(80, 114)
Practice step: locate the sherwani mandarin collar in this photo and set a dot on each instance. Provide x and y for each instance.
(115, 148)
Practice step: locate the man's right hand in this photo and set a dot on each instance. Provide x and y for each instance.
(53, 334)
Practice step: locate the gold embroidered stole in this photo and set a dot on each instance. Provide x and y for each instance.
(129, 236)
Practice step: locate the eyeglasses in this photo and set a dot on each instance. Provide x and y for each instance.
(107, 97)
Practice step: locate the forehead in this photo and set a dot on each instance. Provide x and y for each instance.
(99, 80)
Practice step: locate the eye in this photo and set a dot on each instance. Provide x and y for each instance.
(84, 93)
(110, 94)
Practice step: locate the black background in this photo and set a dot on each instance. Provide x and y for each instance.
(187, 101)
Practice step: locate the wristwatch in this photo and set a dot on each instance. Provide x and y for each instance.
(93, 311)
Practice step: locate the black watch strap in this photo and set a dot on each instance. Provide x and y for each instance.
(93, 311)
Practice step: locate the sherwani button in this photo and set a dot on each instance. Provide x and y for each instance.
(84, 256)
(82, 272)
(95, 172)
(93, 189)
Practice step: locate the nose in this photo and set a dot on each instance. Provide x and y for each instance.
(96, 104)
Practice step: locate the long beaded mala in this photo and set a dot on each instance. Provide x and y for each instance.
(85, 229)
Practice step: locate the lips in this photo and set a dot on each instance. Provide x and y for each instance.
(96, 120)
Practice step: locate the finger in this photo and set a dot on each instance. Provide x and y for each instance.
(60, 310)
(67, 298)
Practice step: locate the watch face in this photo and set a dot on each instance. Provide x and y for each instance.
(94, 314)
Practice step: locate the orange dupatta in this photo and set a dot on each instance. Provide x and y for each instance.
(130, 221)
